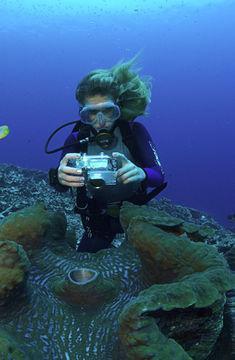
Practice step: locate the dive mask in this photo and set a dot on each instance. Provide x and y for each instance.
(101, 113)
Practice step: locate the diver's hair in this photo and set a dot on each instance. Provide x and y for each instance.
(130, 91)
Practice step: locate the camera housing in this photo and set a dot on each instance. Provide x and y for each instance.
(98, 170)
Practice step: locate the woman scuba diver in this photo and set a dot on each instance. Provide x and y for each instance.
(110, 101)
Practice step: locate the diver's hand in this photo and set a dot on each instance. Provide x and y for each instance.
(70, 176)
(128, 172)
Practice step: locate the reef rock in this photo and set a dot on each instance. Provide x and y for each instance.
(180, 315)
(14, 265)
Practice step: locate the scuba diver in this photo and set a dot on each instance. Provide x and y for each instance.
(110, 100)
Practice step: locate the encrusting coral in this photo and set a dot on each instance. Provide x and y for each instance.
(180, 315)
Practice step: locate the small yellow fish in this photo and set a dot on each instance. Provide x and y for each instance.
(4, 131)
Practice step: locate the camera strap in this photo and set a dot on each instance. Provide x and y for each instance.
(86, 205)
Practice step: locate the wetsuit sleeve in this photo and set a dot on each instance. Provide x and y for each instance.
(53, 173)
(148, 157)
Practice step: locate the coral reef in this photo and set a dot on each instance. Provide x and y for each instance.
(20, 188)
(13, 181)
(14, 265)
(181, 313)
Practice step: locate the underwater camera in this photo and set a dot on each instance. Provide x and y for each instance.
(98, 170)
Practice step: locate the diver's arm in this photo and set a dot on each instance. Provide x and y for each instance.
(148, 157)
(53, 172)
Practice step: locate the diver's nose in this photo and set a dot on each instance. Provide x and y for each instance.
(100, 120)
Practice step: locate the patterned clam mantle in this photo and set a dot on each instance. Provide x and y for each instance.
(49, 328)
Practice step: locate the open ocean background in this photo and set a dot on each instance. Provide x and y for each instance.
(47, 46)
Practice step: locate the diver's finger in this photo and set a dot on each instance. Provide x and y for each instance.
(125, 169)
(69, 156)
(70, 178)
(133, 177)
(121, 157)
(128, 175)
(73, 184)
(69, 170)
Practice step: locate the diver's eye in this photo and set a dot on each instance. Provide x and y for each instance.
(108, 112)
(93, 112)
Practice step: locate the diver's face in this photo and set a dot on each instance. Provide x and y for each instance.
(97, 99)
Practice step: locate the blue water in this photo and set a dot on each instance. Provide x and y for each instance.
(46, 47)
